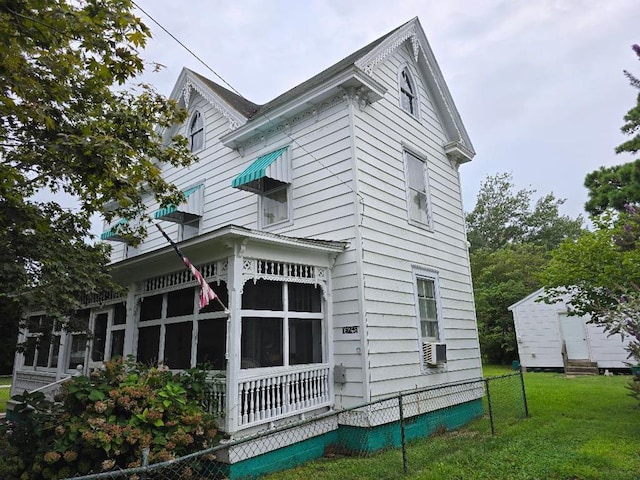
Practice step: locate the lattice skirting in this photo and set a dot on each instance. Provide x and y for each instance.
(310, 441)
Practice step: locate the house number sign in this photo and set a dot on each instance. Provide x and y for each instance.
(350, 330)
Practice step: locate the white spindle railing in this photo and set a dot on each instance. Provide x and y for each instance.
(216, 397)
(276, 395)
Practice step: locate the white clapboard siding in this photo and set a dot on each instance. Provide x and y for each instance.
(539, 337)
(392, 246)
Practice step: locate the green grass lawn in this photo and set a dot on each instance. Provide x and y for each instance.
(584, 428)
(496, 370)
(4, 393)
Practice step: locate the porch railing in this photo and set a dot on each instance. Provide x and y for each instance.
(216, 396)
(267, 397)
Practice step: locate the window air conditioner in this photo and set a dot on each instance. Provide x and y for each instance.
(434, 353)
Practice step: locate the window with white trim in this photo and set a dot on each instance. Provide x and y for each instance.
(417, 181)
(282, 324)
(189, 229)
(196, 132)
(166, 329)
(427, 308)
(408, 97)
(274, 205)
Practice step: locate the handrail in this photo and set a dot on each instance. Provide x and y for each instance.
(45, 388)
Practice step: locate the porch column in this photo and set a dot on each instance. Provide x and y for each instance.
(234, 330)
(133, 304)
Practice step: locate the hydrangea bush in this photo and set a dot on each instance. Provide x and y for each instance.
(103, 422)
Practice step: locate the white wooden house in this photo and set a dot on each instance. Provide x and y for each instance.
(548, 338)
(329, 220)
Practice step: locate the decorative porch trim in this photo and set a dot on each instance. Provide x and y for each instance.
(96, 299)
(215, 271)
(256, 269)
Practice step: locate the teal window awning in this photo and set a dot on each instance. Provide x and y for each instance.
(190, 210)
(112, 233)
(265, 173)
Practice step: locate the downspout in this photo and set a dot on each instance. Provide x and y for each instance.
(352, 98)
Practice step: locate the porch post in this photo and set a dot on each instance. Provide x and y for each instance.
(63, 352)
(130, 326)
(234, 330)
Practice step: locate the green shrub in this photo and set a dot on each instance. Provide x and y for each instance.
(104, 421)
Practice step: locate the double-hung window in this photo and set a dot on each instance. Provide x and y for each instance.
(417, 181)
(429, 318)
(427, 309)
(274, 205)
(269, 176)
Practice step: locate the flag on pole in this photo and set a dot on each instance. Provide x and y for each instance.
(206, 292)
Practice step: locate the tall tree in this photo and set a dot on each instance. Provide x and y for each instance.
(500, 278)
(68, 125)
(510, 237)
(503, 216)
(618, 186)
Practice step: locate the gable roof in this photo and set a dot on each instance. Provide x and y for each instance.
(535, 294)
(242, 113)
(238, 103)
(321, 77)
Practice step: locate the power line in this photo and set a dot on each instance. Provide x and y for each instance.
(232, 88)
(187, 49)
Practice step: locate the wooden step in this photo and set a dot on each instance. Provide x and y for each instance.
(581, 367)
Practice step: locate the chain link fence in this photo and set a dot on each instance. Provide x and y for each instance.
(395, 424)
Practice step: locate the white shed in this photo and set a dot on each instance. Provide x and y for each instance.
(545, 331)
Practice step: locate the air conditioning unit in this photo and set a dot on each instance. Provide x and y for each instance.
(434, 353)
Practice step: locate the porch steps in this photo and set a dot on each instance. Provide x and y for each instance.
(581, 367)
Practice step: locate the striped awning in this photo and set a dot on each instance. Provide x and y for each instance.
(112, 233)
(265, 173)
(185, 212)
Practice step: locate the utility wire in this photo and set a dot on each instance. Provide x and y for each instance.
(191, 52)
(232, 88)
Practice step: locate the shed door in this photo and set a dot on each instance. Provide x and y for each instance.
(574, 335)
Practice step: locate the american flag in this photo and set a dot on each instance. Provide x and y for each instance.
(206, 293)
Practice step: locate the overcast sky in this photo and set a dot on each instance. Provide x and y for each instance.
(538, 83)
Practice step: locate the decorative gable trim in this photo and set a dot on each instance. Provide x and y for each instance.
(221, 109)
(187, 83)
(413, 32)
(369, 62)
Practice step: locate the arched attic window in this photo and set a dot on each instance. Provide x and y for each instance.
(196, 132)
(408, 95)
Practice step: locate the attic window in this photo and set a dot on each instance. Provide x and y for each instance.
(408, 100)
(196, 132)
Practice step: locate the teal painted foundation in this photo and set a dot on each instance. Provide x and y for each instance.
(369, 440)
(283, 458)
(355, 439)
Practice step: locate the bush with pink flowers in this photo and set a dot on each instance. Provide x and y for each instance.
(103, 422)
